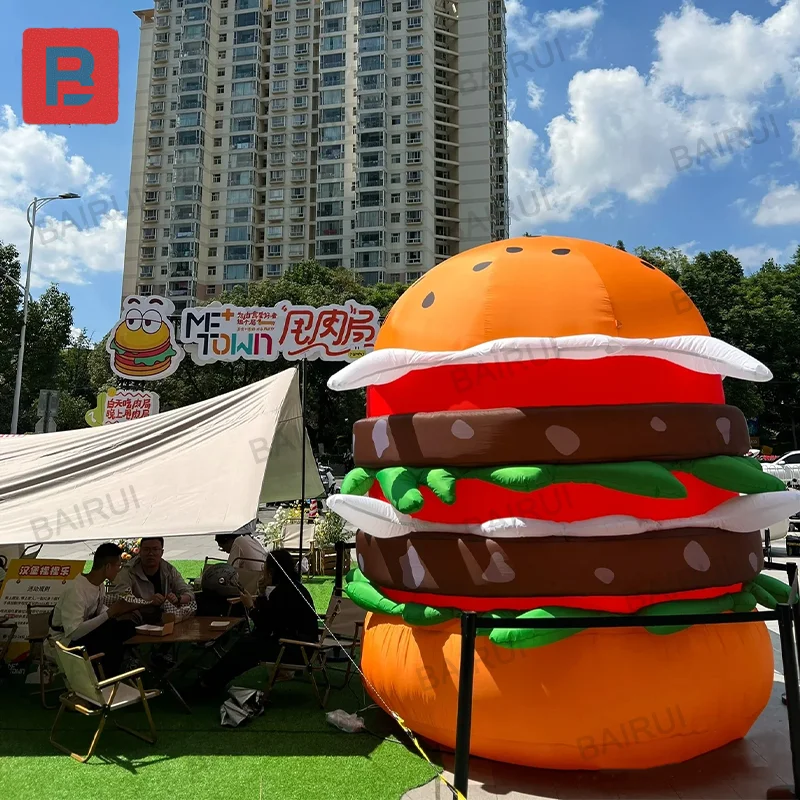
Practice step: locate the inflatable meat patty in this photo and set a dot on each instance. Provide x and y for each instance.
(547, 437)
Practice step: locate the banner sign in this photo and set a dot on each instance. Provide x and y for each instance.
(330, 333)
(142, 344)
(37, 582)
(121, 405)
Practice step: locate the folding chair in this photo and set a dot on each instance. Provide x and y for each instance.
(10, 626)
(39, 620)
(99, 698)
(314, 654)
(346, 627)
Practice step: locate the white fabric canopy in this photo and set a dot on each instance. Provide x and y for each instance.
(201, 469)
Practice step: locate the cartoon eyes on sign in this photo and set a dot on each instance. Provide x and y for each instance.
(142, 345)
(149, 322)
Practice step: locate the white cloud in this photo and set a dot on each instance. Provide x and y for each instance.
(535, 95)
(530, 32)
(631, 134)
(794, 126)
(689, 249)
(74, 237)
(753, 256)
(780, 206)
(737, 60)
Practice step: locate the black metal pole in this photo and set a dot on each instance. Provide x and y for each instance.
(790, 677)
(303, 461)
(338, 580)
(469, 631)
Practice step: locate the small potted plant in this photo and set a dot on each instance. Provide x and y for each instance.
(129, 547)
(275, 531)
(329, 529)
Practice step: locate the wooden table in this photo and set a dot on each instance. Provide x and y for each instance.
(193, 630)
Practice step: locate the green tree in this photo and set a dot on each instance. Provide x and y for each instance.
(48, 332)
(78, 394)
(672, 261)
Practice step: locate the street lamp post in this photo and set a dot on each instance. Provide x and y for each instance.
(37, 203)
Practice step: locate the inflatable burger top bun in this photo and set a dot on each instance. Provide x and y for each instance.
(543, 321)
(538, 286)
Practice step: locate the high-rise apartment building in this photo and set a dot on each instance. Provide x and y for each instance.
(368, 134)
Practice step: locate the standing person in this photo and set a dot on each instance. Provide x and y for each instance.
(149, 577)
(243, 549)
(81, 619)
(287, 612)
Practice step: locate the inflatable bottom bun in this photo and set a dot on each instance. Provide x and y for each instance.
(604, 699)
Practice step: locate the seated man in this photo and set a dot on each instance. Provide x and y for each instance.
(149, 577)
(243, 549)
(81, 619)
(285, 612)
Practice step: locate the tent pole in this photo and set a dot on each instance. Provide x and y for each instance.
(303, 462)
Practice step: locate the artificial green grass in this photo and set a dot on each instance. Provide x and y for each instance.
(290, 752)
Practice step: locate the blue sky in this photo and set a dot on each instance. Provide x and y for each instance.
(594, 133)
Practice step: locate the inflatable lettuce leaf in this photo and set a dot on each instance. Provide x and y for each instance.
(441, 482)
(358, 481)
(732, 473)
(714, 605)
(644, 478)
(518, 479)
(768, 591)
(417, 614)
(516, 638)
(365, 595)
(399, 486)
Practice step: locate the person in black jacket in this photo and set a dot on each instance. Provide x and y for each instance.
(285, 612)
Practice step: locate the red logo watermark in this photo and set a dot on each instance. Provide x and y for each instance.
(70, 76)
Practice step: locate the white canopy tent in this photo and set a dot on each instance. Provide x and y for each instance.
(202, 469)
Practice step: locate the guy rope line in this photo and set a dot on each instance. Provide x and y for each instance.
(398, 719)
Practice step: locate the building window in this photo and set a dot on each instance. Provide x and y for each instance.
(213, 233)
(395, 198)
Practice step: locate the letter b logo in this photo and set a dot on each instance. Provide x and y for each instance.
(70, 76)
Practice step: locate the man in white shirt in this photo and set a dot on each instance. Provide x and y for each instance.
(81, 619)
(243, 549)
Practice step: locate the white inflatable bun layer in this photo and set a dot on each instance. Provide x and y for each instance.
(702, 354)
(738, 515)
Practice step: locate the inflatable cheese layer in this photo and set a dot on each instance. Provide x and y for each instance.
(547, 437)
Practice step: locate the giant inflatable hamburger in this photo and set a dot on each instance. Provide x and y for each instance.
(547, 436)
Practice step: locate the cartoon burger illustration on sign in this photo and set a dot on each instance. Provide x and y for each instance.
(142, 345)
(547, 437)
